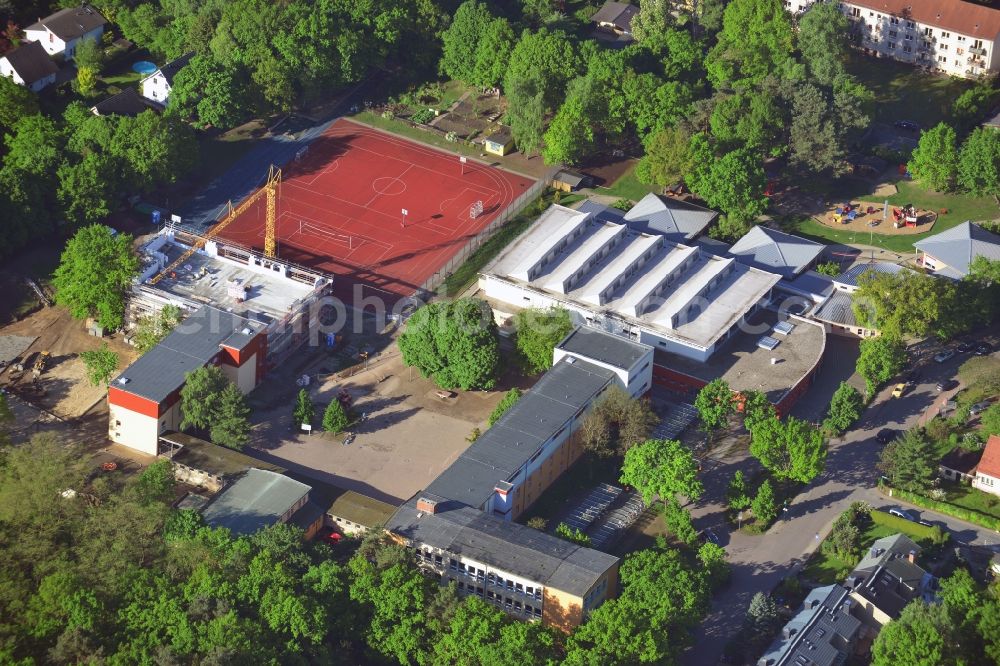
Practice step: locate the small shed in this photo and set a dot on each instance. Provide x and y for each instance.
(353, 513)
(569, 181)
(960, 465)
(500, 142)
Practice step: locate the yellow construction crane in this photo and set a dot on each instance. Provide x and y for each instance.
(270, 188)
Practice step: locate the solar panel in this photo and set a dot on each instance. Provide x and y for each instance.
(767, 342)
(783, 327)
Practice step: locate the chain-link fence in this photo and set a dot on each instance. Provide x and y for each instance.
(508, 213)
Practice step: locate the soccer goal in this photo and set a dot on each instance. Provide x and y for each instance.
(346, 240)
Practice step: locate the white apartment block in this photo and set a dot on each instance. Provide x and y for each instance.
(948, 36)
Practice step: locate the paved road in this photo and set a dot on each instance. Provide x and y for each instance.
(759, 563)
(250, 171)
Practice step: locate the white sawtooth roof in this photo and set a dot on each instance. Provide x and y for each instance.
(655, 291)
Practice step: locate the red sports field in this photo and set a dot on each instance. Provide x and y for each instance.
(340, 209)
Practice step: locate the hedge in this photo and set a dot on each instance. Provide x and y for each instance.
(918, 532)
(949, 509)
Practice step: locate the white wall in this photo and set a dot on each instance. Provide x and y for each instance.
(519, 297)
(635, 380)
(156, 88)
(52, 44)
(7, 70)
(245, 376)
(139, 431)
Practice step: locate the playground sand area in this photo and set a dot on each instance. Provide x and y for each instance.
(873, 221)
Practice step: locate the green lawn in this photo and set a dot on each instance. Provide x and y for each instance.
(825, 569)
(627, 187)
(968, 497)
(959, 207)
(423, 136)
(122, 79)
(903, 92)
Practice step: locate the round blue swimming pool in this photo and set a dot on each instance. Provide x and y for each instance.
(144, 67)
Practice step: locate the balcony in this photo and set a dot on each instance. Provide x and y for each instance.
(977, 51)
(973, 60)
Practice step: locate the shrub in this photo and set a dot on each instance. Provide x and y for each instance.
(947, 508)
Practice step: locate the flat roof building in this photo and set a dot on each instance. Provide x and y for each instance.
(353, 513)
(200, 463)
(636, 283)
(462, 525)
(144, 400)
(259, 499)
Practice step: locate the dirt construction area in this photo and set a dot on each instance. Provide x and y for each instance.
(410, 433)
(62, 387)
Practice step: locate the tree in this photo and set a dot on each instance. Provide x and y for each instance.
(526, 113)
(935, 160)
(666, 159)
(845, 408)
(830, 268)
(762, 615)
(101, 364)
(94, 274)
(910, 461)
(460, 42)
(970, 107)
(86, 80)
(989, 421)
(496, 42)
(734, 184)
(881, 358)
(756, 408)
(821, 41)
(678, 522)
(570, 136)
(650, 24)
(753, 119)
(455, 344)
(151, 329)
(979, 163)
(574, 535)
(662, 468)
(88, 55)
(792, 449)
(923, 635)
(712, 557)
(763, 507)
(737, 497)
(756, 40)
(210, 91)
(715, 404)
(155, 484)
(546, 58)
(304, 410)
(231, 423)
(200, 396)
(509, 399)
(538, 333)
(15, 102)
(818, 136)
(6, 419)
(335, 417)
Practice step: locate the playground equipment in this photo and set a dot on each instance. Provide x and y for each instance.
(905, 216)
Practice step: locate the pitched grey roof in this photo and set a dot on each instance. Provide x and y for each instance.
(534, 419)
(958, 246)
(887, 548)
(776, 251)
(962, 460)
(169, 71)
(836, 310)
(126, 103)
(71, 23)
(821, 633)
(678, 220)
(510, 546)
(571, 178)
(619, 14)
(604, 347)
(192, 344)
(256, 500)
(601, 212)
(851, 275)
(31, 62)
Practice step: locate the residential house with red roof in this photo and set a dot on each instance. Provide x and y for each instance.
(987, 476)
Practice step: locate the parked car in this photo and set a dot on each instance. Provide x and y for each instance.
(944, 355)
(905, 514)
(979, 408)
(899, 390)
(907, 125)
(912, 377)
(886, 435)
(708, 535)
(947, 384)
(983, 348)
(965, 347)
